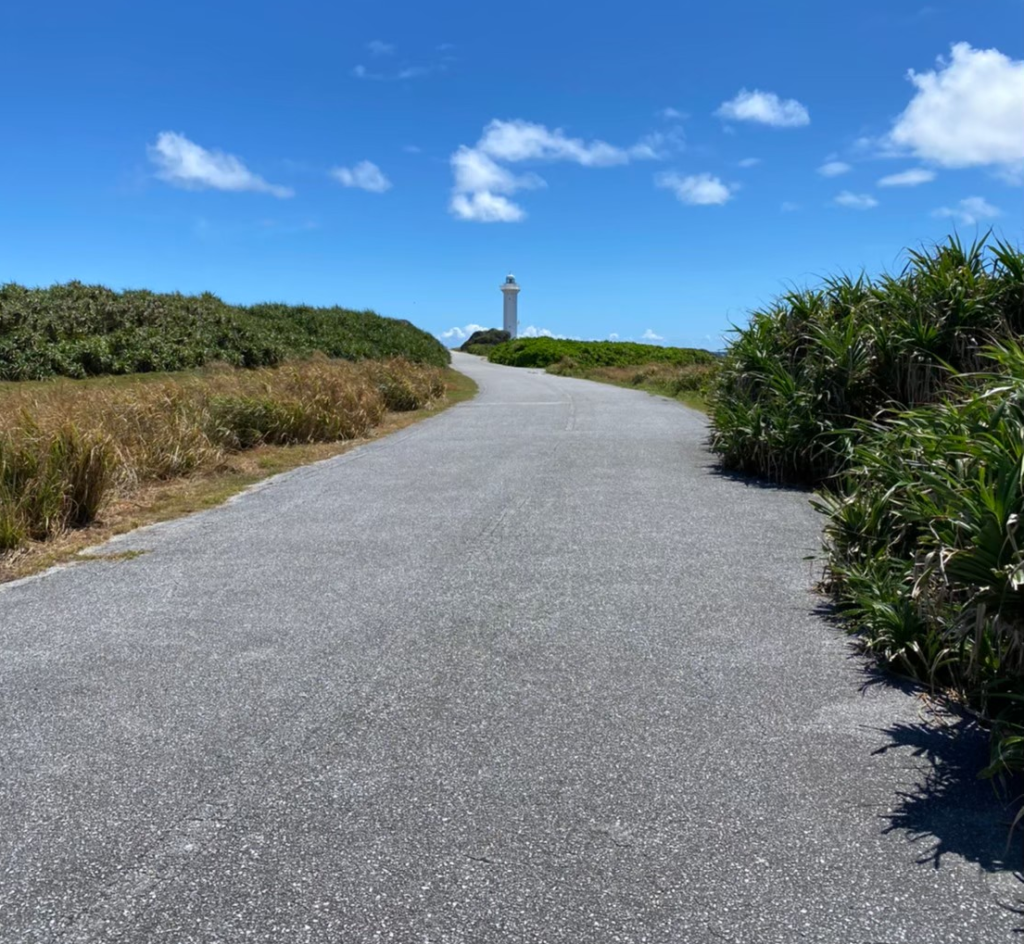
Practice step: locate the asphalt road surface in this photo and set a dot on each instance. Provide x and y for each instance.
(529, 671)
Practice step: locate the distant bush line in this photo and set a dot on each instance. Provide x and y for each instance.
(543, 352)
(76, 330)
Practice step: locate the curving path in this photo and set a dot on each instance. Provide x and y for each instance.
(529, 671)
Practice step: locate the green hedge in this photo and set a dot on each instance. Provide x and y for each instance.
(542, 352)
(77, 330)
(808, 366)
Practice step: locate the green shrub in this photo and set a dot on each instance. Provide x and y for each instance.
(794, 382)
(76, 330)
(480, 342)
(926, 549)
(543, 352)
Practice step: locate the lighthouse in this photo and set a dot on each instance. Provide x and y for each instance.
(510, 291)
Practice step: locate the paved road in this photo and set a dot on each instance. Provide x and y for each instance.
(526, 672)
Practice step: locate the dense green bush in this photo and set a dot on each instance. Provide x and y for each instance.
(542, 352)
(76, 330)
(926, 549)
(904, 398)
(480, 342)
(795, 380)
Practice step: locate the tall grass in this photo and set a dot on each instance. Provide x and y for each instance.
(76, 330)
(795, 380)
(68, 446)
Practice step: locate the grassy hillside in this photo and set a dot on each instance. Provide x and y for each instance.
(543, 352)
(76, 330)
(903, 397)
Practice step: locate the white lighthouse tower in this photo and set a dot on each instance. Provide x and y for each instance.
(510, 291)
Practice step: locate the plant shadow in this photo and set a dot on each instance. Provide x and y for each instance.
(950, 810)
(755, 481)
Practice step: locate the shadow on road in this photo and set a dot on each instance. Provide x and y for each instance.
(950, 810)
(754, 481)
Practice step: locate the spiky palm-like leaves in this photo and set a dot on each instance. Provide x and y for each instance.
(806, 368)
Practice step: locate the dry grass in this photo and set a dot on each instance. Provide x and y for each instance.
(688, 383)
(133, 451)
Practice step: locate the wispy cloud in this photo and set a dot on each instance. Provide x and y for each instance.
(404, 73)
(789, 207)
(412, 149)
(671, 114)
(908, 178)
(856, 201)
(696, 189)
(968, 112)
(185, 164)
(749, 162)
(365, 176)
(834, 168)
(649, 335)
(969, 211)
(483, 182)
(765, 108)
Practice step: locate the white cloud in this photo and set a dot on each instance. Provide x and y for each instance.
(378, 48)
(365, 175)
(697, 189)
(671, 114)
(481, 184)
(474, 171)
(523, 140)
(970, 211)
(485, 207)
(413, 72)
(649, 335)
(532, 332)
(968, 112)
(789, 207)
(409, 72)
(765, 108)
(749, 162)
(908, 178)
(856, 201)
(460, 334)
(613, 337)
(185, 164)
(834, 168)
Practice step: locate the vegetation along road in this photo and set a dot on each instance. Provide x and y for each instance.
(528, 671)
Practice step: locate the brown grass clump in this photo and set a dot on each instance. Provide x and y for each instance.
(690, 383)
(69, 447)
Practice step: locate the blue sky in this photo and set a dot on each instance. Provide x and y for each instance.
(655, 168)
